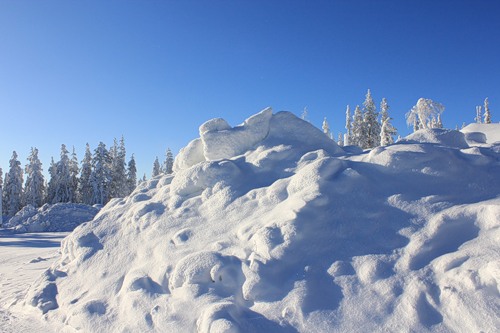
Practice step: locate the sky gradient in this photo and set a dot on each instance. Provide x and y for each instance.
(74, 72)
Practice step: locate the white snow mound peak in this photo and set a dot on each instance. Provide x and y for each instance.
(269, 227)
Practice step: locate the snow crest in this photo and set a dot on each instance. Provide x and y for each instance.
(270, 227)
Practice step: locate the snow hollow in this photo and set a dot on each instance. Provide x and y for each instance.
(269, 226)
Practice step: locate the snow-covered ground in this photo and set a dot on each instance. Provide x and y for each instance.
(271, 227)
(22, 259)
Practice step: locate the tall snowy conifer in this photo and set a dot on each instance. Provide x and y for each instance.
(356, 138)
(63, 186)
(387, 131)
(371, 126)
(169, 162)
(13, 190)
(1, 196)
(101, 175)
(439, 123)
(51, 187)
(118, 188)
(487, 115)
(85, 189)
(156, 168)
(326, 128)
(34, 189)
(340, 140)
(131, 175)
(73, 173)
(347, 136)
(478, 118)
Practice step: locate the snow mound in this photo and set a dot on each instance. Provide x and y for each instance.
(477, 134)
(444, 137)
(280, 232)
(59, 217)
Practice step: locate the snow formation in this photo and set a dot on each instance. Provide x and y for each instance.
(270, 227)
(59, 217)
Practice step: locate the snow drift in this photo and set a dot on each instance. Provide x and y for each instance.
(270, 227)
(59, 217)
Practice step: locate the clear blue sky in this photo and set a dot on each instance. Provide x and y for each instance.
(87, 71)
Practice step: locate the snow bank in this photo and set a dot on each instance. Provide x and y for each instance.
(51, 218)
(477, 134)
(444, 137)
(280, 232)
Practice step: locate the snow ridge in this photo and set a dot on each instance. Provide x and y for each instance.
(270, 227)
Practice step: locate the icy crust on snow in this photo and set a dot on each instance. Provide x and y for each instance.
(288, 236)
(59, 217)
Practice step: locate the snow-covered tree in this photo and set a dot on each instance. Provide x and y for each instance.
(101, 175)
(118, 186)
(340, 140)
(51, 187)
(487, 115)
(479, 118)
(326, 128)
(423, 112)
(131, 175)
(156, 168)
(34, 189)
(1, 196)
(305, 114)
(439, 123)
(348, 134)
(85, 189)
(63, 191)
(73, 174)
(168, 166)
(13, 189)
(357, 138)
(371, 125)
(387, 130)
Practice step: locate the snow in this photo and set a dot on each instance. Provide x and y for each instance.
(51, 218)
(280, 230)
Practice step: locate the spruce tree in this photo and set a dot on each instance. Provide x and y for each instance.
(118, 186)
(156, 168)
(1, 197)
(13, 190)
(131, 175)
(73, 174)
(478, 118)
(371, 126)
(63, 186)
(357, 128)
(169, 162)
(85, 189)
(34, 189)
(340, 140)
(101, 175)
(326, 128)
(51, 187)
(387, 130)
(347, 137)
(487, 115)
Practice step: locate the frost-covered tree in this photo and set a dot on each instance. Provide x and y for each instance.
(85, 189)
(371, 126)
(34, 189)
(487, 115)
(326, 128)
(51, 187)
(168, 166)
(101, 175)
(118, 186)
(479, 117)
(340, 140)
(131, 175)
(357, 138)
(63, 191)
(13, 189)
(348, 134)
(439, 123)
(73, 174)
(387, 130)
(305, 114)
(1, 196)
(423, 112)
(156, 168)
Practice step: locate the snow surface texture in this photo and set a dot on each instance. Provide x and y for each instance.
(270, 227)
(59, 217)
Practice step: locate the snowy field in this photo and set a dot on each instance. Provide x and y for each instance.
(23, 257)
(271, 227)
